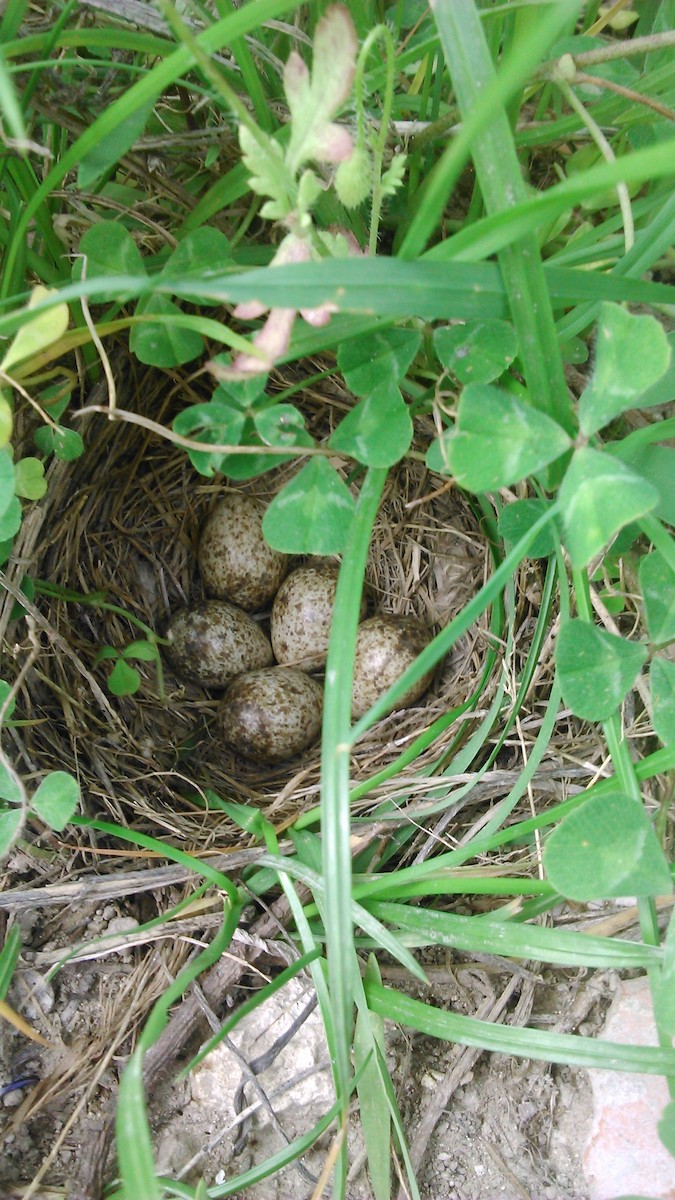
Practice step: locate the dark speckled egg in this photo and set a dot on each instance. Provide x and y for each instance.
(215, 641)
(235, 561)
(301, 616)
(271, 715)
(385, 648)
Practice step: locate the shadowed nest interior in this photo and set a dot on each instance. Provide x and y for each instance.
(122, 522)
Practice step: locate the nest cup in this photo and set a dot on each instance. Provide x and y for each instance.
(124, 521)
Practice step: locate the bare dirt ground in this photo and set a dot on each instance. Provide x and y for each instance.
(478, 1125)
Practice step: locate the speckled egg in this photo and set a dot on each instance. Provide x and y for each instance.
(271, 715)
(301, 616)
(385, 648)
(215, 641)
(235, 561)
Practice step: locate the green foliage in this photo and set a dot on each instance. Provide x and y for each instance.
(517, 518)
(631, 355)
(607, 848)
(378, 430)
(37, 332)
(599, 496)
(9, 956)
(497, 440)
(373, 1105)
(161, 336)
(56, 799)
(584, 484)
(66, 444)
(106, 152)
(596, 668)
(29, 479)
(312, 514)
(657, 584)
(54, 802)
(662, 678)
(478, 351)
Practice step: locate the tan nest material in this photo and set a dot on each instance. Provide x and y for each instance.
(124, 520)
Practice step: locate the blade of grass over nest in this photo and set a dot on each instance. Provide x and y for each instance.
(387, 287)
(335, 755)
(144, 92)
(444, 640)
(530, 1043)
(659, 763)
(358, 915)
(425, 739)
(502, 186)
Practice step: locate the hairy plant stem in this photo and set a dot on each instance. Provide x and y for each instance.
(379, 33)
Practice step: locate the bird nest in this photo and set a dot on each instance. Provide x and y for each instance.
(115, 539)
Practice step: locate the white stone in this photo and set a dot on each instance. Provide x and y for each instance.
(214, 1083)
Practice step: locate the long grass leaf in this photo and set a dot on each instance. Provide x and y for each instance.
(335, 754)
(502, 187)
(517, 941)
(530, 1043)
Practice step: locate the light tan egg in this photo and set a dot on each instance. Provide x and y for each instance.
(214, 642)
(301, 616)
(235, 561)
(271, 715)
(385, 648)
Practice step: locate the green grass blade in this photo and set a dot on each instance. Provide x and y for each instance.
(134, 1142)
(443, 642)
(502, 186)
(373, 1108)
(335, 753)
(203, 869)
(270, 989)
(386, 287)
(499, 230)
(530, 1043)
(488, 107)
(9, 955)
(11, 109)
(482, 935)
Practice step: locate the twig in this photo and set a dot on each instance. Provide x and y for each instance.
(639, 45)
(121, 414)
(627, 93)
(99, 888)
